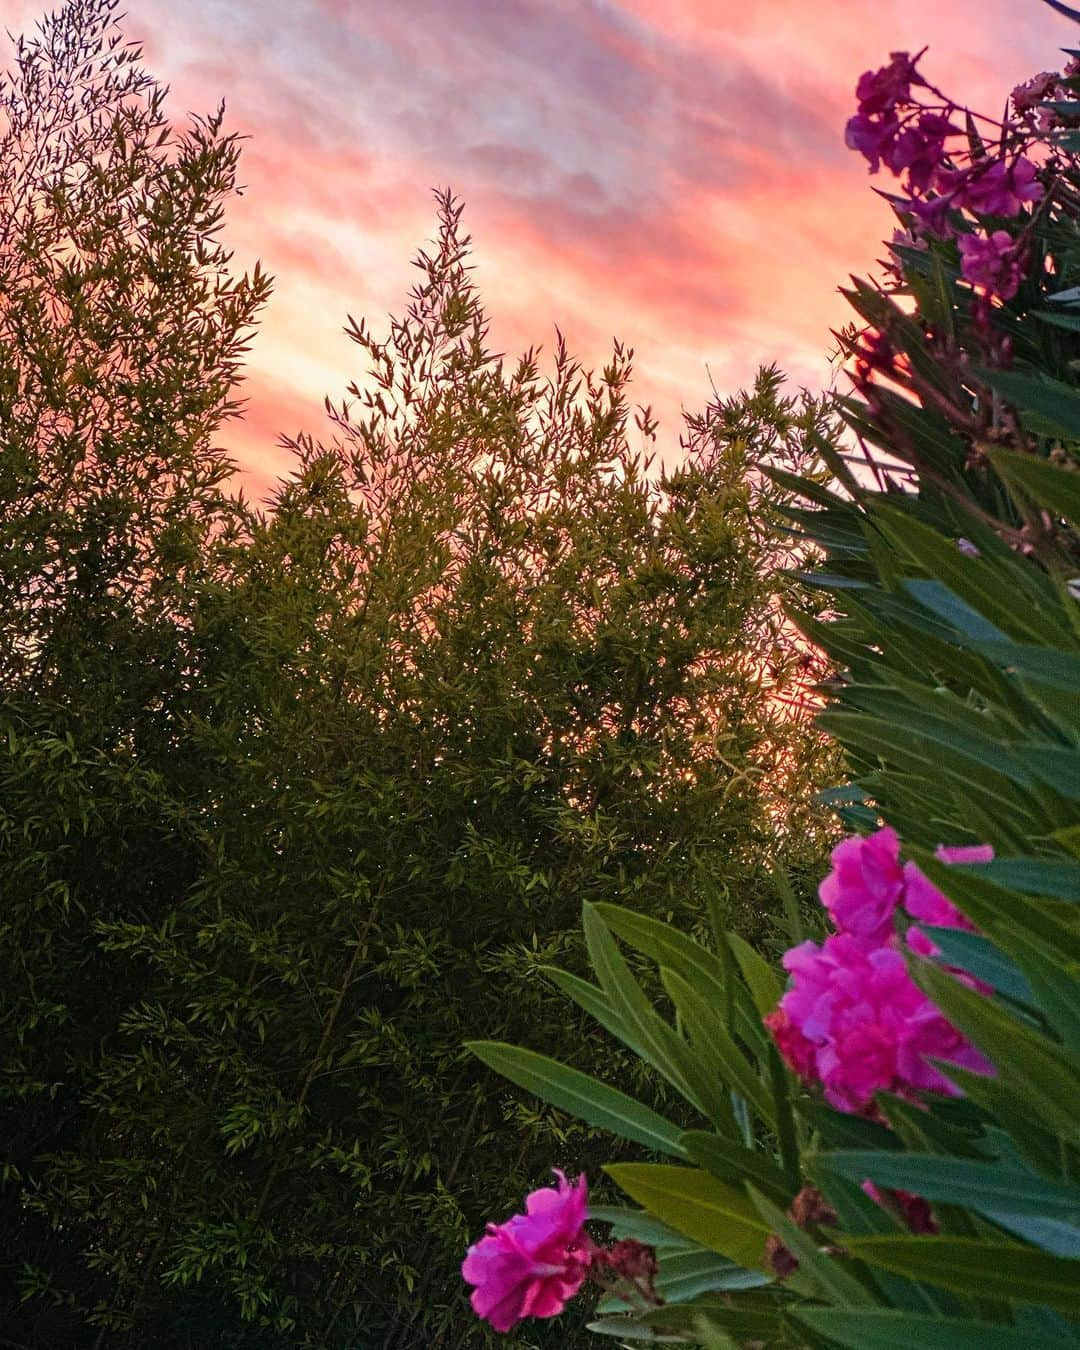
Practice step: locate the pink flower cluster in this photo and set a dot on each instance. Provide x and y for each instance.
(534, 1263)
(911, 138)
(1047, 87)
(853, 1019)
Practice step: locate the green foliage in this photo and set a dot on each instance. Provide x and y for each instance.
(296, 802)
(946, 547)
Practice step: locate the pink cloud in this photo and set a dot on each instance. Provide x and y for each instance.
(667, 171)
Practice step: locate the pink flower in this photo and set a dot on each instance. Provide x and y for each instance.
(872, 137)
(919, 149)
(993, 187)
(864, 887)
(1028, 95)
(532, 1264)
(855, 1021)
(965, 853)
(923, 900)
(881, 90)
(932, 214)
(928, 1036)
(991, 261)
(797, 1052)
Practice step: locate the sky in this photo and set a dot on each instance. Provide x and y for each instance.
(671, 173)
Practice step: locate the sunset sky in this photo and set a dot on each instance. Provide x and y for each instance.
(670, 172)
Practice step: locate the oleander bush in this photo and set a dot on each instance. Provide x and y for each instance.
(885, 1153)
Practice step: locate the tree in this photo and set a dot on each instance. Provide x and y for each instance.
(295, 803)
(478, 665)
(121, 333)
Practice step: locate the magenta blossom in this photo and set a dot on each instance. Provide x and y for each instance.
(534, 1263)
(859, 1025)
(932, 214)
(991, 262)
(881, 90)
(993, 188)
(923, 900)
(864, 887)
(872, 137)
(798, 1051)
(1027, 96)
(868, 882)
(919, 149)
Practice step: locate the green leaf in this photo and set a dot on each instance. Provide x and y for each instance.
(926, 1131)
(960, 1181)
(1054, 488)
(764, 983)
(979, 1267)
(839, 1130)
(1050, 399)
(979, 957)
(660, 1045)
(698, 966)
(628, 1327)
(744, 1318)
(1057, 767)
(1056, 993)
(1058, 878)
(1012, 1110)
(1033, 1065)
(859, 1215)
(730, 1161)
(719, 1216)
(719, 1055)
(976, 581)
(994, 908)
(886, 1329)
(635, 1223)
(946, 605)
(591, 1101)
(683, 1275)
(711, 1337)
(935, 755)
(1040, 665)
(596, 1003)
(1067, 10)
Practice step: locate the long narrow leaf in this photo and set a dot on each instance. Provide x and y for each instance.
(998, 1270)
(585, 1097)
(885, 1329)
(719, 1216)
